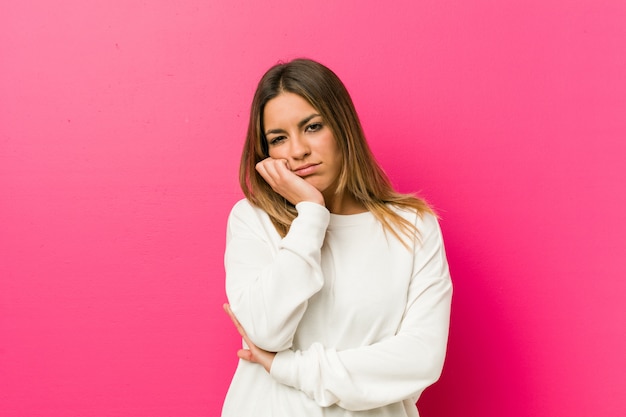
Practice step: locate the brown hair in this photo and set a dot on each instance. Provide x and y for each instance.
(360, 174)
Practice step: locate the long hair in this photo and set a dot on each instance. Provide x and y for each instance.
(360, 174)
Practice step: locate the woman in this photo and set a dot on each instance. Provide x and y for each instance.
(338, 284)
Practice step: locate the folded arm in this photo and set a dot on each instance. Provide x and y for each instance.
(267, 290)
(394, 369)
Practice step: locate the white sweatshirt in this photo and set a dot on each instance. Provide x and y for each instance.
(360, 322)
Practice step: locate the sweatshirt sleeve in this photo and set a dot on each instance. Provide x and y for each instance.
(268, 288)
(396, 368)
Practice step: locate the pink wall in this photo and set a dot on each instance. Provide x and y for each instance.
(121, 122)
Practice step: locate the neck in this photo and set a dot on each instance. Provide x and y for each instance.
(343, 204)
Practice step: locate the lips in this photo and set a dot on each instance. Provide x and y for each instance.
(305, 170)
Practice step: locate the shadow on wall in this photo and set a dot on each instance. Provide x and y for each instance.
(485, 373)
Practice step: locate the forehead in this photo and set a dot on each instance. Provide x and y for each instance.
(286, 108)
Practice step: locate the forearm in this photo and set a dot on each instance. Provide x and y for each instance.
(268, 287)
(357, 380)
(396, 367)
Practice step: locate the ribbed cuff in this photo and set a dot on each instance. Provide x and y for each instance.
(308, 230)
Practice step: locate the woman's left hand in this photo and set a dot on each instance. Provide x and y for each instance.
(253, 354)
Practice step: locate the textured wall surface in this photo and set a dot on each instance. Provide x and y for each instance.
(121, 124)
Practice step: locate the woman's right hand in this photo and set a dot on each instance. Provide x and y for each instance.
(295, 189)
(253, 353)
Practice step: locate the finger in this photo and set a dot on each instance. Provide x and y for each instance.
(282, 180)
(261, 166)
(244, 354)
(262, 170)
(238, 325)
(269, 162)
(267, 170)
(269, 173)
(232, 316)
(274, 168)
(282, 167)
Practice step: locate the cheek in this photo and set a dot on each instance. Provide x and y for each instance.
(276, 153)
(331, 148)
(335, 153)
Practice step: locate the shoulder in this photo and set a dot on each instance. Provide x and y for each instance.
(428, 222)
(249, 221)
(425, 223)
(423, 219)
(244, 211)
(244, 207)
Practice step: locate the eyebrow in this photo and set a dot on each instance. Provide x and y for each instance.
(301, 123)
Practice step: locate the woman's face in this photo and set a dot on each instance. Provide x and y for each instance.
(296, 132)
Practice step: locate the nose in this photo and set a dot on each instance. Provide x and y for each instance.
(300, 148)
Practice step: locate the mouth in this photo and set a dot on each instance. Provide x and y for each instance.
(305, 170)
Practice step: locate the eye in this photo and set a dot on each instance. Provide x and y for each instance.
(313, 127)
(276, 140)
